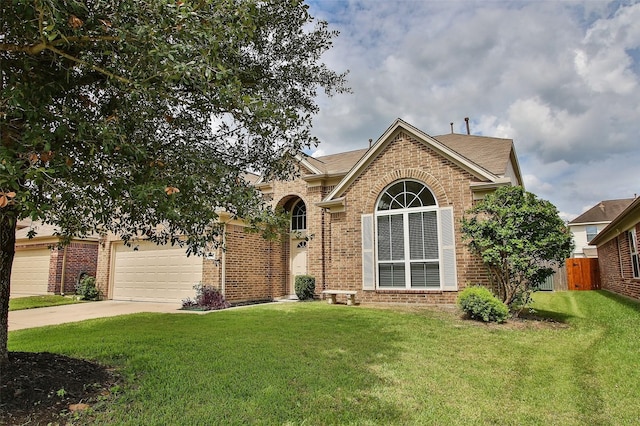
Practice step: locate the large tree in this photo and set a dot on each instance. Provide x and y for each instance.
(519, 238)
(140, 117)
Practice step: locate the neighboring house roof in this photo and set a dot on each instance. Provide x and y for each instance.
(604, 211)
(624, 221)
(486, 158)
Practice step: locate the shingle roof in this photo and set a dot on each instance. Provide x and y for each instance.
(604, 211)
(492, 154)
(339, 163)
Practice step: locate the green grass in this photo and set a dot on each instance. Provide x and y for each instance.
(32, 302)
(310, 363)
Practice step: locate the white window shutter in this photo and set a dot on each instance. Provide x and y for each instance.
(368, 258)
(448, 274)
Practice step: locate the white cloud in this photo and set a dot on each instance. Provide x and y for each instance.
(560, 78)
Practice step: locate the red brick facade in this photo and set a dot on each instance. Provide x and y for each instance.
(616, 271)
(257, 269)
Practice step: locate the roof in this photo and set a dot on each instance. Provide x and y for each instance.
(491, 153)
(604, 211)
(44, 230)
(624, 221)
(486, 158)
(339, 163)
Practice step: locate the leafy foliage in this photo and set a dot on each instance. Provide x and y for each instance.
(207, 299)
(305, 286)
(519, 238)
(86, 288)
(480, 304)
(141, 118)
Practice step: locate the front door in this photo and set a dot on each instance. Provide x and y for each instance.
(298, 261)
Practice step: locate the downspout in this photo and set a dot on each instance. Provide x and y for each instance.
(64, 267)
(223, 260)
(323, 261)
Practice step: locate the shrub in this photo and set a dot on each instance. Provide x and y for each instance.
(480, 304)
(207, 299)
(305, 286)
(86, 288)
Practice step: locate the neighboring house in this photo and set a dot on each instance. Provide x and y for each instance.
(586, 226)
(40, 267)
(618, 252)
(382, 221)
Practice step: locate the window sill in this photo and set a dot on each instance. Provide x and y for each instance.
(410, 291)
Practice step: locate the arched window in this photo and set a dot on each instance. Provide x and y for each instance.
(299, 216)
(407, 237)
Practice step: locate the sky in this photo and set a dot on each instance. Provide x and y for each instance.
(560, 78)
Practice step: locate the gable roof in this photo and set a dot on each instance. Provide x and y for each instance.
(624, 221)
(469, 152)
(604, 211)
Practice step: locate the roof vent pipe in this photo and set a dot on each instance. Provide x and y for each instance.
(451, 124)
(466, 119)
(370, 140)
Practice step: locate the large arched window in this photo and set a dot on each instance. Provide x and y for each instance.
(407, 237)
(299, 216)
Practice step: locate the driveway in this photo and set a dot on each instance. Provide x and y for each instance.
(29, 318)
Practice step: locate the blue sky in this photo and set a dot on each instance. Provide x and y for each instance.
(560, 78)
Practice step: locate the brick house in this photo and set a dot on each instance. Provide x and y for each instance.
(618, 253)
(383, 221)
(40, 267)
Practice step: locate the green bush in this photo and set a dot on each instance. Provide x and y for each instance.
(305, 286)
(480, 304)
(86, 288)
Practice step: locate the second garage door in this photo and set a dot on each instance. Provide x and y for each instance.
(154, 273)
(30, 272)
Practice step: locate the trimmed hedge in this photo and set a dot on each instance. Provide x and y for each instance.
(480, 304)
(305, 286)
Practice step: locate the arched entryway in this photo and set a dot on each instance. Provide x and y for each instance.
(298, 241)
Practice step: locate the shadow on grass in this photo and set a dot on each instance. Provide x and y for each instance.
(623, 300)
(546, 315)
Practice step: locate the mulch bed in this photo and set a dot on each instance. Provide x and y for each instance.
(45, 388)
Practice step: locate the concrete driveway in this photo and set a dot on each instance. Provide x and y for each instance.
(29, 318)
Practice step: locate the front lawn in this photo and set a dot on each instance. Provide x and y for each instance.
(31, 302)
(313, 363)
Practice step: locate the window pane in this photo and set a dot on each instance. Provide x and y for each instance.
(392, 275)
(592, 231)
(397, 237)
(430, 230)
(406, 194)
(423, 234)
(384, 237)
(299, 217)
(425, 275)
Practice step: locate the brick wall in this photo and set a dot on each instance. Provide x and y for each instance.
(252, 267)
(403, 158)
(616, 273)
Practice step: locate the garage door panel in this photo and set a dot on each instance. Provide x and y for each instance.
(30, 272)
(155, 273)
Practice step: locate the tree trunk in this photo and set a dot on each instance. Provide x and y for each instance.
(7, 252)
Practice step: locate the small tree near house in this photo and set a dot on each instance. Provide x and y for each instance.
(519, 238)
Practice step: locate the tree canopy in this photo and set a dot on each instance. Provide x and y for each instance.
(519, 238)
(141, 118)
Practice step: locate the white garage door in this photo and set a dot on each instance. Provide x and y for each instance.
(30, 272)
(154, 273)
